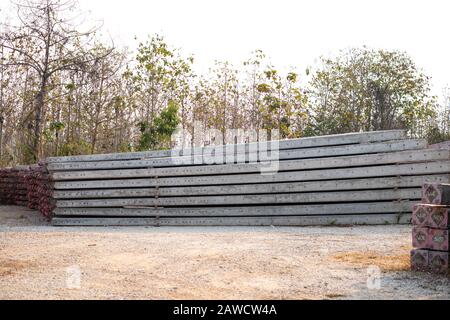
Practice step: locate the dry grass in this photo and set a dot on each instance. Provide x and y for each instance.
(334, 295)
(10, 267)
(384, 262)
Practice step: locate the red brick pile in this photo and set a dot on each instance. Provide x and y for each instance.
(13, 187)
(28, 186)
(431, 230)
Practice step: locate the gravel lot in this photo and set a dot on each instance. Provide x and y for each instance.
(38, 261)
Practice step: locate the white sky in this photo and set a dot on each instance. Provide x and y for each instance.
(292, 33)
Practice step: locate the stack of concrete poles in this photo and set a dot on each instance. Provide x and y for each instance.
(349, 179)
(364, 178)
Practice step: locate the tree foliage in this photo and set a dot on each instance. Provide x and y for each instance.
(64, 91)
(158, 133)
(46, 43)
(364, 90)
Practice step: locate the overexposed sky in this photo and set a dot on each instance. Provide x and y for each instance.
(293, 33)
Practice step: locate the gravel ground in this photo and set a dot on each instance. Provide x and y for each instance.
(38, 261)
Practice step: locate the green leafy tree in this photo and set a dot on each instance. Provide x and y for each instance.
(161, 75)
(364, 89)
(158, 134)
(439, 127)
(284, 104)
(252, 96)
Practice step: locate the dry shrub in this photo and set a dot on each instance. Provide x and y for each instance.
(384, 262)
(9, 266)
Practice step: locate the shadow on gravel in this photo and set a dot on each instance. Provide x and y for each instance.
(14, 216)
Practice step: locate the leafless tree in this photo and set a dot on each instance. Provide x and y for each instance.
(47, 42)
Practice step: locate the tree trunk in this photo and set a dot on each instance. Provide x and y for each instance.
(2, 107)
(39, 107)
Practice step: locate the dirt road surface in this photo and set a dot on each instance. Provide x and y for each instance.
(38, 261)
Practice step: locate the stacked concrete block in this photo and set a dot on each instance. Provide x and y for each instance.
(430, 236)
